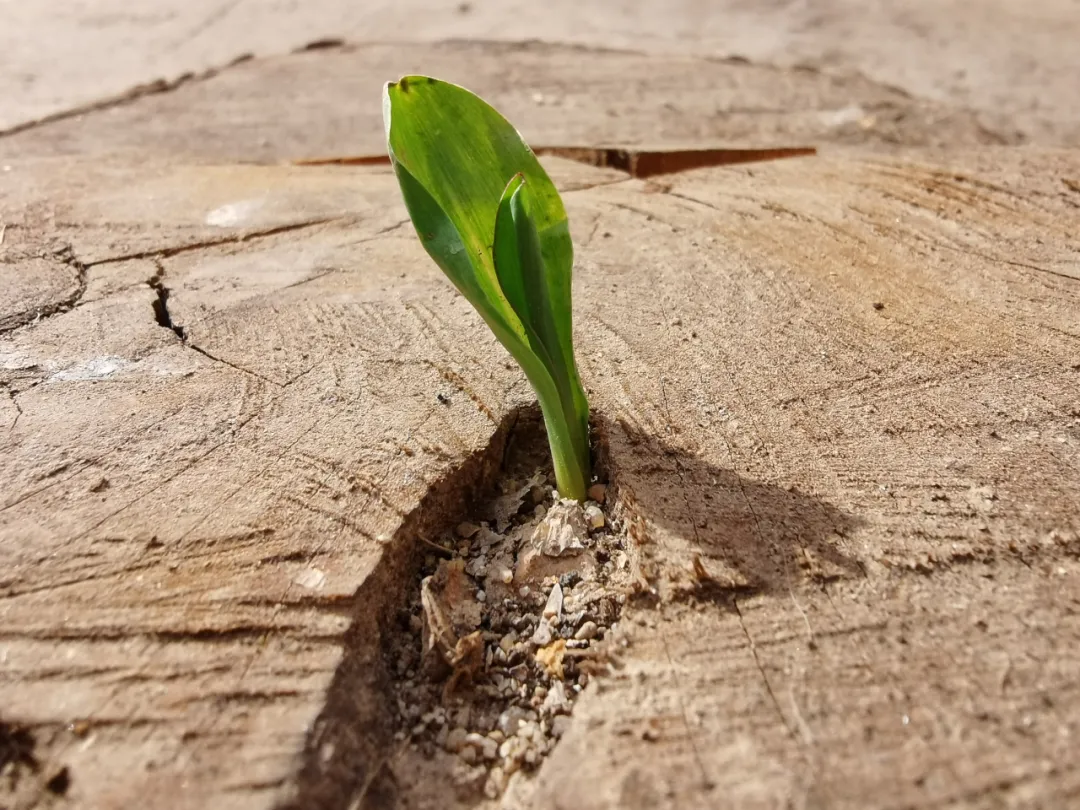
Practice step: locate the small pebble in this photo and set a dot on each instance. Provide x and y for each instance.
(455, 740)
(543, 635)
(598, 492)
(481, 596)
(507, 576)
(587, 631)
(594, 516)
(507, 642)
(520, 673)
(526, 729)
(485, 745)
(510, 720)
(468, 754)
(553, 608)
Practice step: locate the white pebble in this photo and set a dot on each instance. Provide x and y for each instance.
(543, 635)
(587, 631)
(553, 608)
(594, 516)
(481, 596)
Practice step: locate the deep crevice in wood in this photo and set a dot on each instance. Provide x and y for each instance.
(350, 750)
(349, 745)
(640, 163)
(161, 304)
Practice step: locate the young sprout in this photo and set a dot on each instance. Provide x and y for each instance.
(488, 214)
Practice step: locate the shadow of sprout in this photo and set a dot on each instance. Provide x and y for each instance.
(717, 534)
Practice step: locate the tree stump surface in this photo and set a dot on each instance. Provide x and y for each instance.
(840, 392)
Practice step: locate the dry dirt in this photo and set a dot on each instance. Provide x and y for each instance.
(835, 401)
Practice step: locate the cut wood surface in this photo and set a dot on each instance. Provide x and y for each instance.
(838, 394)
(327, 103)
(1010, 64)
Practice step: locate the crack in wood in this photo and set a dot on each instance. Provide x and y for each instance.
(761, 671)
(164, 253)
(130, 96)
(66, 256)
(640, 163)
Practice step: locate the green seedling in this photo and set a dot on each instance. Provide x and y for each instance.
(488, 214)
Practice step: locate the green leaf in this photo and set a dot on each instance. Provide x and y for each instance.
(490, 217)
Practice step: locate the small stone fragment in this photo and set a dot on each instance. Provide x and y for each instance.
(507, 576)
(507, 642)
(562, 530)
(509, 721)
(520, 673)
(468, 754)
(526, 730)
(553, 608)
(543, 634)
(455, 740)
(513, 751)
(587, 631)
(487, 747)
(477, 567)
(556, 702)
(597, 492)
(594, 516)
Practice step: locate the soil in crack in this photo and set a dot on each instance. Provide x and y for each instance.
(513, 613)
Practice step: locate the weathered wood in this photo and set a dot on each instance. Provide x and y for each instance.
(846, 385)
(1013, 66)
(327, 103)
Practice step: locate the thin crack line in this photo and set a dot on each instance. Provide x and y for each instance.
(761, 671)
(164, 253)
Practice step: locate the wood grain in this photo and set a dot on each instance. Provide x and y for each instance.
(847, 385)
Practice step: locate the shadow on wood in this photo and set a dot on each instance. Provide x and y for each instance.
(708, 532)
